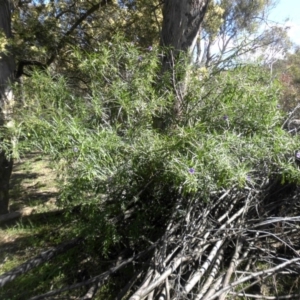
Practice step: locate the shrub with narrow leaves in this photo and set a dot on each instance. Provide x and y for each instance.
(124, 173)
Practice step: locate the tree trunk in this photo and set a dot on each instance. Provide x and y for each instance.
(181, 23)
(181, 27)
(6, 75)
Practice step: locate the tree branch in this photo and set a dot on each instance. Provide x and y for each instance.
(38, 260)
(23, 63)
(74, 26)
(96, 279)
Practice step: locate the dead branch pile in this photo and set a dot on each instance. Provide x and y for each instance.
(238, 241)
(243, 243)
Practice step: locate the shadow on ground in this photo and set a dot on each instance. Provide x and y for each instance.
(32, 183)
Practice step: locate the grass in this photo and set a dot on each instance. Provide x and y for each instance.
(33, 186)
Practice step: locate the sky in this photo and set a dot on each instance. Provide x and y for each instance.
(288, 9)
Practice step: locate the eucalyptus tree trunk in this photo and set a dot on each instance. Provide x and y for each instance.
(182, 20)
(6, 75)
(181, 28)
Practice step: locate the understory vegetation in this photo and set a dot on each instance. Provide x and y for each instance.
(195, 204)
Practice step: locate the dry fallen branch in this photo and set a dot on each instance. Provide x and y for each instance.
(268, 272)
(38, 260)
(232, 267)
(212, 251)
(212, 276)
(261, 297)
(145, 291)
(97, 279)
(212, 231)
(26, 211)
